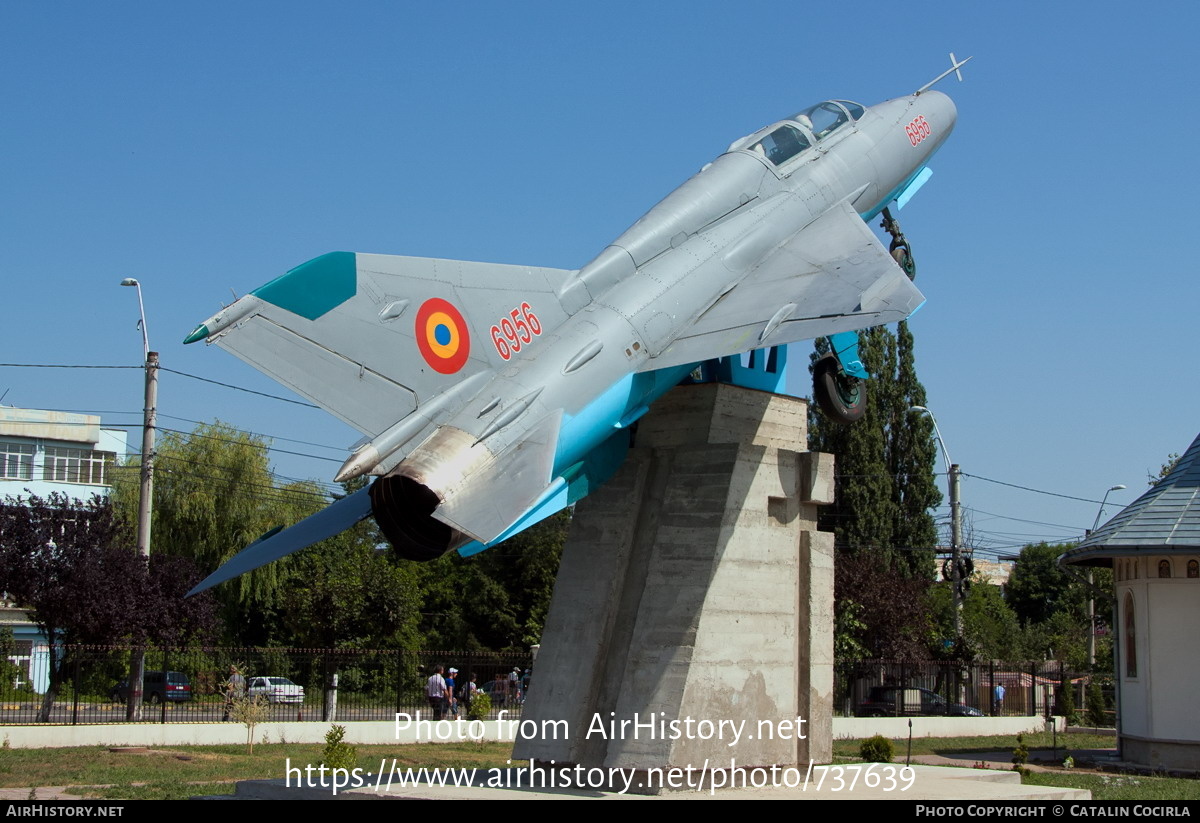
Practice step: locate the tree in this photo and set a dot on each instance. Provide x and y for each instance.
(496, 600)
(215, 494)
(885, 487)
(991, 630)
(1163, 470)
(63, 561)
(881, 609)
(1038, 589)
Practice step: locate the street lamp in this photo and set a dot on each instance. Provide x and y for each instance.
(1100, 513)
(955, 524)
(129, 281)
(137, 664)
(1091, 641)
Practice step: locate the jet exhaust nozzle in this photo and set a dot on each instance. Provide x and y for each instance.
(403, 509)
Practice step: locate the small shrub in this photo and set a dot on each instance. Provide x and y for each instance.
(877, 749)
(1066, 702)
(337, 754)
(249, 711)
(1096, 715)
(1020, 754)
(481, 707)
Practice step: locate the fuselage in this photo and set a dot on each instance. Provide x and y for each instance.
(611, 358)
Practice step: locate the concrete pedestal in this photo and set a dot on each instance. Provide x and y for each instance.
(695, 588)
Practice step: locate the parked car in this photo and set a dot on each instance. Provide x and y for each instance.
(908, 701)
(276, 689)
(174, 687)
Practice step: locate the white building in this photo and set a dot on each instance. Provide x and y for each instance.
(1153, 547)
(43, 452)
(47, 451)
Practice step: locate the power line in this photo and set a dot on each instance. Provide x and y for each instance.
(238, 388)
(160, 368)
(1036, 491)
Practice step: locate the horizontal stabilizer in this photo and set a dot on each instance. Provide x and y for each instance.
(330, 521)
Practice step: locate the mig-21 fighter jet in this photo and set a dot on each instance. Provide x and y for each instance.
(491, 396)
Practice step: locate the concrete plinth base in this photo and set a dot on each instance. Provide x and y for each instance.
(692, 616)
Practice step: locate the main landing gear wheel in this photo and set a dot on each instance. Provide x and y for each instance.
(842, 398)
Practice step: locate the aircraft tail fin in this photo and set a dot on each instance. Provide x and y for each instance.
(371, 337)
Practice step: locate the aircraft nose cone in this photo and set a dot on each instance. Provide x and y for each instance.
(942, 110)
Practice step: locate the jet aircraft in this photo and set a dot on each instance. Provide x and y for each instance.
(492, 396)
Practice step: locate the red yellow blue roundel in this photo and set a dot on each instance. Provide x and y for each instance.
(442, 336)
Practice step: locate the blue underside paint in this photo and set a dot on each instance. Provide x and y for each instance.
(845, 346)
(766, 370)
(592, 444)
(913, 187)
(316, 287)
(897, 192)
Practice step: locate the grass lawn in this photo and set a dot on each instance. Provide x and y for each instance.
(1120, 787)
(184, 771)
(1102, 786)
(1001, 743)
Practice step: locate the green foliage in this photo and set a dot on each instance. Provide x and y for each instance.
(481, 707)
(495, 600)
(877, 749)
(1096, 714)
(249, 710)
(1066, 701)
(214, 494)
(9, 671)
(990, 628)
(1038, 589)
(886, 488)
(338, 754)
(1020, 755)
(1163, 470)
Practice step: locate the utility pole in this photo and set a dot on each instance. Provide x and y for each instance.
(137, 660)
(956, 542)
(956, 550)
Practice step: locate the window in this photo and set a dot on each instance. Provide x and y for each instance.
(825, 118)
(781, 145)
(1164, 568)
(1193, 569)
(77, 466)
(16, 461)
(1130, 640)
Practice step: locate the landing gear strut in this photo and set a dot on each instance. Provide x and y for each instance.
(899, 249)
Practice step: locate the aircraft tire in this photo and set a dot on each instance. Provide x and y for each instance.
(842, 400)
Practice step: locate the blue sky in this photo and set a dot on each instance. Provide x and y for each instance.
(207, 147)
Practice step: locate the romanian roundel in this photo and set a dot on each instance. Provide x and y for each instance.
(442, 336)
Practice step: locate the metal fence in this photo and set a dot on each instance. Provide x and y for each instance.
(189, 686)
(996, 688)
(354, 684)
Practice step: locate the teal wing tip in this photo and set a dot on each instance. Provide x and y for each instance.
(199, 333)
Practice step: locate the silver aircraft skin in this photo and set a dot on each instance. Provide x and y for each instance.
(486, 392)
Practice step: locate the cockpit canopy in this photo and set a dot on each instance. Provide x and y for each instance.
(783, 141)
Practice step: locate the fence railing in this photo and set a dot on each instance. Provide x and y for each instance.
(190, 686)
(880, 688)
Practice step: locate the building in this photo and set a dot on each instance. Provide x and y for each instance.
(48, 451)
(1153, 547)
(42, 452)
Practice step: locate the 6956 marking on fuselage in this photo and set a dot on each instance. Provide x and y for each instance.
(515, 331)
(918, 129)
